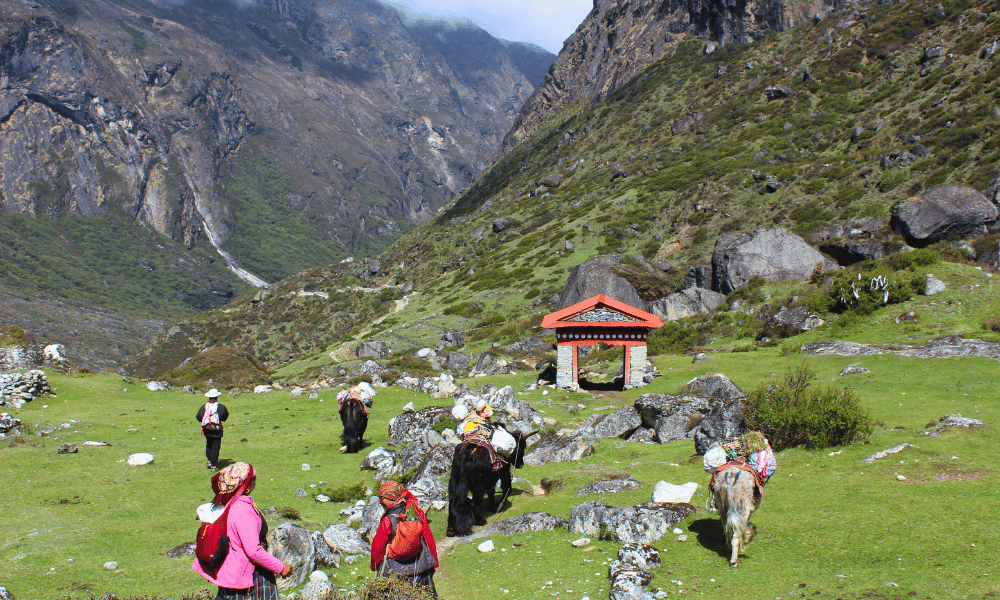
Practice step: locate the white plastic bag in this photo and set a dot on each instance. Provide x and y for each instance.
(714, 458)
(503, 442)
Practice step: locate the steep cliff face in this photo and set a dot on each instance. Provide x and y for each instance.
(287, 134)
(620, 38)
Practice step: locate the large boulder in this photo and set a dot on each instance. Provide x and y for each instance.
(643, 523)
(293, 544)
(600, 275)
(941, 212)
(774, 254)
(686, 303)
(370, 517)
(344, 540)
(800, 318)
(620, 424)
(558, 448)
(376, 349)
(409, 427)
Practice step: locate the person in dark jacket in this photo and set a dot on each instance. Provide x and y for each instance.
(211, 415)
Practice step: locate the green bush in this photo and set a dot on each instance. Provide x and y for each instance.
(349, 492)
(674, 337)
(797, 412)
(924, 257)
(12, 335)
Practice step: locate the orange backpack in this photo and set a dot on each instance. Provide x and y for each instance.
(405, 538)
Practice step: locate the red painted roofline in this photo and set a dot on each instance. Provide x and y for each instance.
(563, 318)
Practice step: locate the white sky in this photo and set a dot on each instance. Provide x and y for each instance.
(546, 23)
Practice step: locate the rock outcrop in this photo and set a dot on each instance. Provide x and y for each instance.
(617, 41)
(686, 303)
(774, 254)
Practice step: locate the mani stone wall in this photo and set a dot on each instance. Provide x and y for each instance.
(637, 366)
(564, 367)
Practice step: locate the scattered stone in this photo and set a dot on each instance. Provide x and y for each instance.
(139, 459)
(610, 486)
(854, 371)
(93, 443)
(486, 546)
(701, 356)
(317, 589)
(263, 389)
(110, 565)
(157, 386)
(67, 449)
(322, 498)
(894, 450)
(957, 420)
(306, 467)
(934, 285)
(944, 347)
(581, 542)
(900, 478)
(301, 493)
(907, 317)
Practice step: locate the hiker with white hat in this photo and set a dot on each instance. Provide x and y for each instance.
(211, 415)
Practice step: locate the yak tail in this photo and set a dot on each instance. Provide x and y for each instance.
(738, 513)
(461, 512)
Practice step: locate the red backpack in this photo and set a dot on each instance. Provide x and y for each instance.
(405, 537)
(212, 543)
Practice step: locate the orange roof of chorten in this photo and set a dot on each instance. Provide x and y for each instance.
(624, 315)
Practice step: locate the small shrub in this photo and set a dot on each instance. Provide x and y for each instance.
(289, 512)
(791, 349)
(12, 335)
(992, 324)
(349, 492)
(751, 293)
(675, 337)
(359, 378)
(796, 412)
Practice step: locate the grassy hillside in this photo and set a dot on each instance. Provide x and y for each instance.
(829, 526)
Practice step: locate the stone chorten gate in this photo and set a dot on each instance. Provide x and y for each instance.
(601, 319)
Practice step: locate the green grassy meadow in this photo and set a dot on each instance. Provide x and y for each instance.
(829, 526)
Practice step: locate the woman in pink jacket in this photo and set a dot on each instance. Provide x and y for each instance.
(248, 571)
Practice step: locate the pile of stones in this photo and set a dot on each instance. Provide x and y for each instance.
(18, 388)
(9, 425)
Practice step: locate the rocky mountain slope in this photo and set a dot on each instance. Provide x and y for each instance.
(281, 136)
(818, 131)
(618, 40)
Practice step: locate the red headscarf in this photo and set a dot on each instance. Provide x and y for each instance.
(393, 493)
(233, 481)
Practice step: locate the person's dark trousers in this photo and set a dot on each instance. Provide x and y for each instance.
(212, 446)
